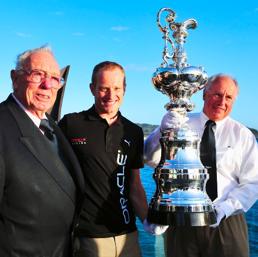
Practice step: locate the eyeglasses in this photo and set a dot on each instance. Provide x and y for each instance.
(39, 76)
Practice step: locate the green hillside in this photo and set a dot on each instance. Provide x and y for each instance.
(147, 128)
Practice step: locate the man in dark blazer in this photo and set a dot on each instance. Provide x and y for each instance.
(40, 182)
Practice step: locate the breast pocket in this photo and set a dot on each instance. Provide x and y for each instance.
(227, 160)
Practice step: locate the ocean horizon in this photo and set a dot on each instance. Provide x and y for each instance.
(152, 246)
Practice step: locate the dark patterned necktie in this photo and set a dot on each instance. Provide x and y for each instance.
(208, 158)
(48, 132)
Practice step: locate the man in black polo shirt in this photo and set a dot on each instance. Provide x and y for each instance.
(110, 150)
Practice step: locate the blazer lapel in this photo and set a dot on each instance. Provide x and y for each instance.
(69, 155)
(38, 145)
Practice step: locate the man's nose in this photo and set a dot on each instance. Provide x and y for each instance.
(223, 100)
(46, 83)
(111, 93)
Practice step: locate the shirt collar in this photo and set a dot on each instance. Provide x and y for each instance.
(219, 123)
(93, 115)
(34, 118)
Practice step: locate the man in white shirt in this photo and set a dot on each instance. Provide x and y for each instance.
(237, 176)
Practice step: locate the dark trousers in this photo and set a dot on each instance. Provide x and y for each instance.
(229, 239)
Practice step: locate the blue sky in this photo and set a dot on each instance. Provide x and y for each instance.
(84, 33)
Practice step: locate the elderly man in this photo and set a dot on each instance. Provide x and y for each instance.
(236, 175)
(40, 177)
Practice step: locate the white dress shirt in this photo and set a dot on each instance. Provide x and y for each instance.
(33, 117)
(236, 160)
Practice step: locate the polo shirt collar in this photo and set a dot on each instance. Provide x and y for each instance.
(93, 115)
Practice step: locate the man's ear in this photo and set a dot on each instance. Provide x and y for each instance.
(92, 89)
(14, 77)
(203, 95)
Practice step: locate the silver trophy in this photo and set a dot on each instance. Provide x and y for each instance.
(180, 198)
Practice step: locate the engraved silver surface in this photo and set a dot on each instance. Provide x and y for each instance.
(180, 198)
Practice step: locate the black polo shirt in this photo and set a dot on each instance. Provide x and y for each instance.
(106, 154)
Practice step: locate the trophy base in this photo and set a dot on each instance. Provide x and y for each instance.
(182, 218)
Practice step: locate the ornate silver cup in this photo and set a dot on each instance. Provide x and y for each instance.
(180, 198)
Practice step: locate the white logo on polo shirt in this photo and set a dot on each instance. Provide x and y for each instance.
(127, 142)
(120, 181)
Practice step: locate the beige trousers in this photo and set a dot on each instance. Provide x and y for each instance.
(126, 245)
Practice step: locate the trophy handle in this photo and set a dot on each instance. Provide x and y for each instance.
(170, 18)
(190, 24)
(165, 30)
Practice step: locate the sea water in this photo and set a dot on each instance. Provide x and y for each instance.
(152, 246)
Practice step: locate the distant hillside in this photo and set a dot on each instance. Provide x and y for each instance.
(147, 128)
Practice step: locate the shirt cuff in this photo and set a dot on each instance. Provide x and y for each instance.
(226, 207)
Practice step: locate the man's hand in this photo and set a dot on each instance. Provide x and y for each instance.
(172, 119)
(154, 229)
(219, 215)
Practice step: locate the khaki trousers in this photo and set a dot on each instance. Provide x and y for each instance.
(229, 239)
(126, 245)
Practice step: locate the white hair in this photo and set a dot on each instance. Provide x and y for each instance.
(21, 58)
(218, 76)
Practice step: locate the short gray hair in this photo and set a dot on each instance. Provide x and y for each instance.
(216, 77)
(21, 58)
